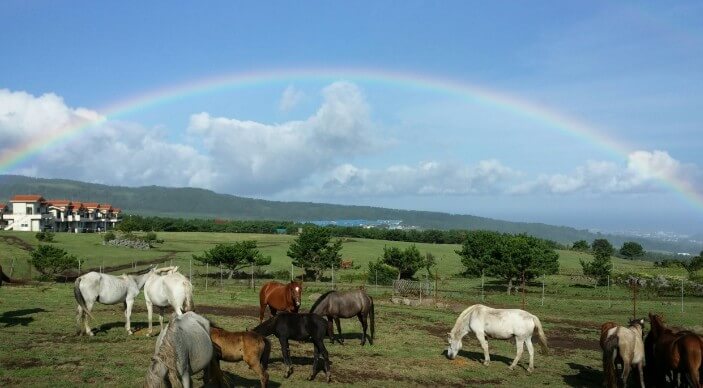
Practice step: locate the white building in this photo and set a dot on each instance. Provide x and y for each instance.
(34, 213)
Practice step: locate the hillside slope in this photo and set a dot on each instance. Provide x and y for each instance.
(200, 203)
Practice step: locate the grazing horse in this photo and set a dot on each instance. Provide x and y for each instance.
(626, 343)
(183, 348)
(172, 289)
(499, 324)
(299, 327)
(355, 303)
(3, 277)
(249, 346)
(279, 297)
(107, 289)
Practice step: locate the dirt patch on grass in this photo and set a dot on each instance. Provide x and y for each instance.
(20, 363)
(248, 311)
(14, 240)
(575, 322)
(346, 376)
(562, 341)
(471, 383)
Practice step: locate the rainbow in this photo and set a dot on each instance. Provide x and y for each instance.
(469, 92)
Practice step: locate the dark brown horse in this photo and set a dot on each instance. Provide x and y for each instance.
(280, 297)
(249, 346)
(673, 353)
(349, 304)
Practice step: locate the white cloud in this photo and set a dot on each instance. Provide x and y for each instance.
(109, 152)
(290, 98)
(426, 178)
(642, 173)
(258, 158)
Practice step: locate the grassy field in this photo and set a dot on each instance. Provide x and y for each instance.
(39, 346)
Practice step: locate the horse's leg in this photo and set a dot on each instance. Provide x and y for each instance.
(326, 359)
(185, 379)
(149, 311)
(531, 350)
(286, 355)
(262, 309)
(89, 308)
(364, 327)
(640, 369)
(484, 345)
(315, 359)
(625, 371)
(253, 359)
(273, 311)
(128, 314)
(330, 328)
(519, 342)
(161, 319)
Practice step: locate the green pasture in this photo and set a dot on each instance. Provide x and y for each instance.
(39, 346)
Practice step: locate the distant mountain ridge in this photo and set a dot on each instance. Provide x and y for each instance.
(201, 203)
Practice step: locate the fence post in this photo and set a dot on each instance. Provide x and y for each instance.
(483, 297)
(79, 267)
(376, 280)
(523, 290)
(542, 290)
(681, 295)
(610, 303)
(435, 285)
(190, 270)
(252, 275)
(291, 272)
(207, 274)
(334, 284)
(220, 275)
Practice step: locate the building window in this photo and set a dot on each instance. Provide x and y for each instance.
(29, 210)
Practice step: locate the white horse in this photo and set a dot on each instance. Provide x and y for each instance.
(172, 289)
(499, 324)
(107, 289)
(183, 348)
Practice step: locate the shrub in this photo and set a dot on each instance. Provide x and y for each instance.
(45, 236)
(381, 272)
(109, 236)
(51, 261)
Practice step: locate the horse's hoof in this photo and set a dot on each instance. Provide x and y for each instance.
(329, 377)
(486, 363)
(530, 370)
(511, 367)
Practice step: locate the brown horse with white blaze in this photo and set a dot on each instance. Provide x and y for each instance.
(280, 297)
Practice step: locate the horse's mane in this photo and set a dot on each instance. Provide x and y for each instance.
(462, 317)
(320, 299)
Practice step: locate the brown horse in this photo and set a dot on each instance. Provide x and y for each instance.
(664, 360)
(686, 354)
(249, 346)
(280, 297)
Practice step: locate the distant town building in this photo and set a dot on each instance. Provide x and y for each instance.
(36, 214)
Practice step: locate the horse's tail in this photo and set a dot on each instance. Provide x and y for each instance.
(188, 303)
(609, 349)
(540, 335)
(265, 354)
(4, 277)
(372, 314)
(79, 298)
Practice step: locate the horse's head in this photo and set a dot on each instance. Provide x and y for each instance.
(296, 292)
(656, 321)
(454, 346)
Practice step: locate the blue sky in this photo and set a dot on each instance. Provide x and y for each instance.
(630, 70)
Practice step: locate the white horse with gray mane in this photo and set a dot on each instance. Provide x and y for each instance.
(172, 289)
(499, 324)
(108, 289)
(183, 348)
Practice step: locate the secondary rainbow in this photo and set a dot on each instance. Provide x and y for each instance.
(470, 92)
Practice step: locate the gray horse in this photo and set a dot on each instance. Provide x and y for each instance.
(183, 348)
(108, 289)
(348, 304)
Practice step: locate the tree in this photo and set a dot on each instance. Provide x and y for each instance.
(128, 225)
(45, 236)
(602, 266)
(581, 246)
(429, 263)
(381, 273)
(631, 250)
(234, 256)
(477, 251)
(314, 252)
(407, 261)
(695, 264)
(51, 261)
(523, 257)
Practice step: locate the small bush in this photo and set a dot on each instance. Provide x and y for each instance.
(51, 261)
(109, 236)
(45, 236)
(381, 272)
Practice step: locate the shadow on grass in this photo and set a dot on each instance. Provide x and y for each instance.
(18, 317)
(136, 326)
(239, 381)
(585, 376)
(478, 356)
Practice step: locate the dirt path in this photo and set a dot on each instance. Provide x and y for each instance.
(14, 240)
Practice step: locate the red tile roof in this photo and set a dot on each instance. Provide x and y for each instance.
(91, 205)
(27, 198)
(58, 202)
(2, 206)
